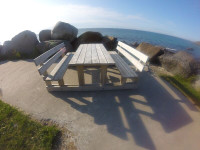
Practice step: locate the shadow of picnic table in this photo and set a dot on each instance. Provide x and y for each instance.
(121, 110)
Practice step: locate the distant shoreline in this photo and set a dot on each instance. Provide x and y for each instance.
(197, 43)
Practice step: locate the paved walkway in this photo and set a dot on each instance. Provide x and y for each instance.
(155, 116)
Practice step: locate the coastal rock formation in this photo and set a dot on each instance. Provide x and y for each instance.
(64, 31)
(189, 49)
(47, 45)
(45, 35)
(134, 44)
(87, 37)
(150, 50)
(180, 63)
(110, 42)
(21, 45)
(198, 43)
(170, 51)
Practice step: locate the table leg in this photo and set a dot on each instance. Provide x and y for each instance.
(103, 74)
(80, 75)
(61, 82)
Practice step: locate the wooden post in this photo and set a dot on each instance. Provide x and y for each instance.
(80, 75)
(123, 80)
(61, 82)
(48, 83)
(63, 54)
(103, 74)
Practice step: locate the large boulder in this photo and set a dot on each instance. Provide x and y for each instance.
(180, 63)
(21, 46)
(110, 42)
(45, 35)
(1, 47)
(150, 50)
(47, 45)
(87, 37)
(64, 31)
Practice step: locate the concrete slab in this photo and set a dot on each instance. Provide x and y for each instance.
(155, 116)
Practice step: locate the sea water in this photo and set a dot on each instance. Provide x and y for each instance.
(166, 41)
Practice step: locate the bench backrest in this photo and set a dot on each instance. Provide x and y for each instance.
(42, 58)
(45, 60)
(137, 58)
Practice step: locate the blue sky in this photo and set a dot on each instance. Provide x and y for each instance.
(179, 18)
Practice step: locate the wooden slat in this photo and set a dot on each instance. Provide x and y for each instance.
(63, 64)
(101, 56)
(61, 71)
(76, 55)
(134, 52)
(48, 63)
(42, 58)
(88, 56)
(128, 72)
(133, 60)
(106, 54)
(95, 58)
(81, 57)
(123, 67)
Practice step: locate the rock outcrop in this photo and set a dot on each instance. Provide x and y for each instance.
(87, 37)
(22, 45)
(134, 44)
(45, 35)
(47, 45)
(197, 42)
(64, 31)
(110, 42)
(180, 63)
(150, 50)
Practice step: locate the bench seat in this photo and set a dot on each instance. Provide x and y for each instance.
(47, 59)
(123, 67)
(58, 72)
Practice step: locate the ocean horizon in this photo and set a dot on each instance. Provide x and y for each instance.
(131, 35)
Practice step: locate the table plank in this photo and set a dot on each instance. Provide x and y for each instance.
(106, 54)
(101, 56)
(88, 56)
(76, 55)
(95, 58)
(81, 57)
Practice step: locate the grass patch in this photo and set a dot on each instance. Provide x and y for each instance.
(185, 86)
(18, 131)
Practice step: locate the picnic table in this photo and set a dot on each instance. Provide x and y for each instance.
(91, 55)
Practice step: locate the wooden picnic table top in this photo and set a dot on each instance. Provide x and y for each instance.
(92, 54)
